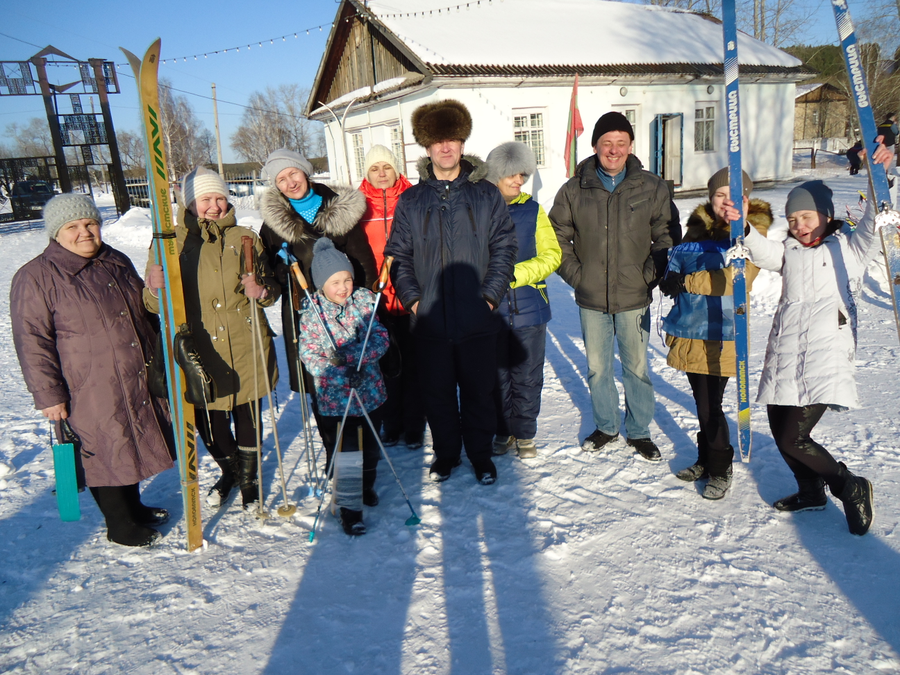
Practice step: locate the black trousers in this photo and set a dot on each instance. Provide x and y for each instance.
(791, 426)
(457, 381)
(403, 412)
(216, 431)
(520, 379)
(714, 444)
(328, 429)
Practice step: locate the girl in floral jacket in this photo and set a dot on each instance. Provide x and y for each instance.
(345, 312)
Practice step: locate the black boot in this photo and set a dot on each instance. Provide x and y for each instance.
(218, 493)
(121, 527)
(352, 522)
(698, 469)
(811, 496)
(248, 468)
(141, 514)
(858, 502)
(369, 496)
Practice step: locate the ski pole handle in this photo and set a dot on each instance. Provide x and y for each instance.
(385, 274)
(247, 245)
(295, 268)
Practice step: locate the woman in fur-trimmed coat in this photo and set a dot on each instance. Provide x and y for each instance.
(700, 326)
(297, 212)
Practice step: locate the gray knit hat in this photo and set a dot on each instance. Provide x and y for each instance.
(281, 159)
(510, 159)
(65, 208)
(813, 195)
(721, 179)
(201, 181)
(327, 260)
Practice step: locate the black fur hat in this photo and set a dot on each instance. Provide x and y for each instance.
(510, 159)
(441, 121)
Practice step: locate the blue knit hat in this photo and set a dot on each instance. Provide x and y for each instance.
(327, 260)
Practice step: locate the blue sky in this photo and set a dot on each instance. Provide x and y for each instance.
(96, 30)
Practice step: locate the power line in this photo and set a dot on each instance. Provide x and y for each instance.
(22, 41)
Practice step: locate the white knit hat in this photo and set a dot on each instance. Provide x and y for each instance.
(201, 181)
(65, 208)
(379, 153)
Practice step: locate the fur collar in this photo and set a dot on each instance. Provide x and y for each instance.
(473, 166)
(342, 208)
(702, 225)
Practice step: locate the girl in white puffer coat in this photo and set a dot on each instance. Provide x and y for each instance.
(809, 364)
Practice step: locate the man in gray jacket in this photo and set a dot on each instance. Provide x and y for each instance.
(615, 222)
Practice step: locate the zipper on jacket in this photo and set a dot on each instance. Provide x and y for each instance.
(471, 219)
(384, 212)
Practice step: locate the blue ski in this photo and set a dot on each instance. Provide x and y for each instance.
(739, 280)
(878, 180)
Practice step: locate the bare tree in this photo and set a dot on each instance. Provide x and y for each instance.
(131, 150)
(31, 139)
(275, 120)
(182, 132)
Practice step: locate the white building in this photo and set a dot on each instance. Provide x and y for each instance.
(513, 65)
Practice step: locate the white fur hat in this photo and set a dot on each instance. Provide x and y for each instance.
(201, 181)
(510, 159)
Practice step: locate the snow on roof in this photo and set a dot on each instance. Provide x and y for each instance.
(563, 32)
(804, 89)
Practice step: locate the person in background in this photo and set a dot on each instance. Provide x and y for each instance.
(84, 341)
(700, 326)
(525, 308)
(854, 159)
(404, 417)
(217, 298)
(614, 223)
(810, 357)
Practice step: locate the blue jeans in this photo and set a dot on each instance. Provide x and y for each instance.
(631, 330)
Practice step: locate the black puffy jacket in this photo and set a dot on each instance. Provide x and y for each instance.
(454, 248)
(614, 245)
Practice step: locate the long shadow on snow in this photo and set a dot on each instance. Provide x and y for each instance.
(368, 603)
(862, 567)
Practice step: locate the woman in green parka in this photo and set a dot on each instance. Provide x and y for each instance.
(217, 296)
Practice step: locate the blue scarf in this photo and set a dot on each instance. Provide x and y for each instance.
(308, 207)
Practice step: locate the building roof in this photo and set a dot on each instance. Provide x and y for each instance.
(804, 89)
(517, 33)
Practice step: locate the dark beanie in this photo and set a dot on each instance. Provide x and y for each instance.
(813, 195)
(327, 260)
(721, 179)
(611, 121)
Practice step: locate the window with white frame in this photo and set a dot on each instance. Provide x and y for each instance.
(630, 114)
(704, 127)
(359, 155)
(398, 148)
(528, 128)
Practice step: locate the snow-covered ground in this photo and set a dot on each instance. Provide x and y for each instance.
(571, 563)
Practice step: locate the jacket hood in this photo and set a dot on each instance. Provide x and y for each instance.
(202, 226)
(372, 192)
(472, 165)
(342, 208)
(702, 225)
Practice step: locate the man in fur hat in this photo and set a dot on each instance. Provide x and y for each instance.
(454, 248)
(615, 222)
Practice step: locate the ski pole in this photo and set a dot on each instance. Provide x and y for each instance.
(295, 268)
(311, 465)
(286, 510)
(382, 282)
(330, 469)
(413, 519)
(261, 514)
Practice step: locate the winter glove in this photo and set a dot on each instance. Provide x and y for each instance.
(672, 284)
(341, 356)
(253, 289)
(355, 378)
(285, 255)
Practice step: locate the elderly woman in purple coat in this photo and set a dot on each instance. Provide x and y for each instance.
(83, 340)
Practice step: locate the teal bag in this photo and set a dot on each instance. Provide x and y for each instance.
(67, 469)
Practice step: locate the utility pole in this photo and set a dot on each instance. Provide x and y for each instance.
(218, 137)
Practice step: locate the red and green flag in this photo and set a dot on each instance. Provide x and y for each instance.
(575, 129)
